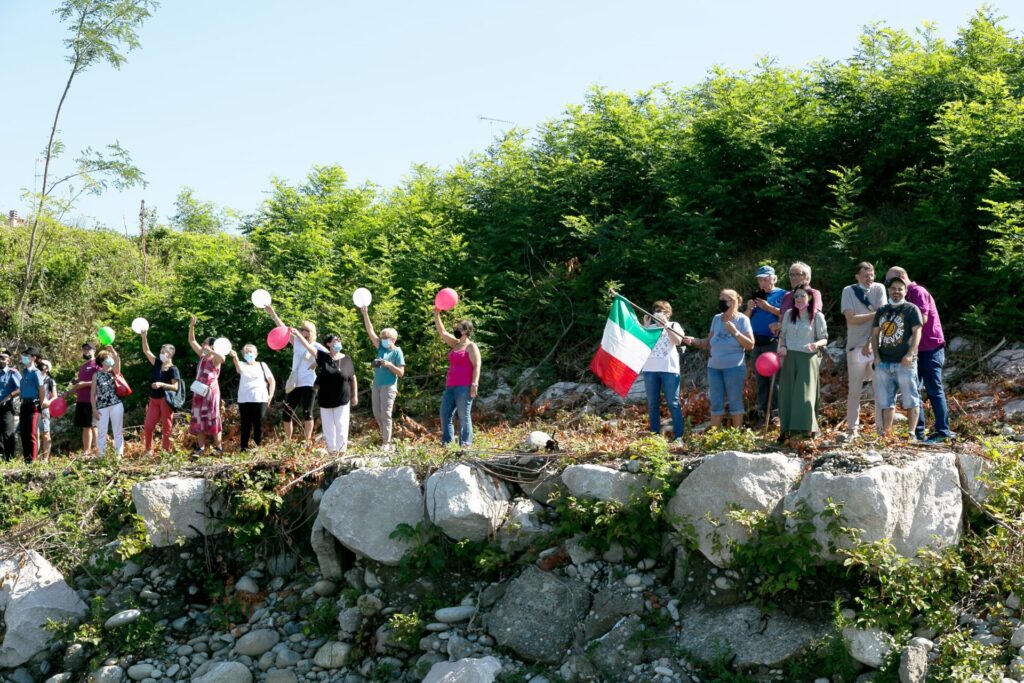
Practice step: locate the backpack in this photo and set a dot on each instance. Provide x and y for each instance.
(176, 398)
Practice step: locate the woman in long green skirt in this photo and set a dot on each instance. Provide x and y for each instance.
(802, 336)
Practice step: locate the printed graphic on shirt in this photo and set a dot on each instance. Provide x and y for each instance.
(891, 331)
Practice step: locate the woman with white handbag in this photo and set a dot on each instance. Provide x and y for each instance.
(206, 421)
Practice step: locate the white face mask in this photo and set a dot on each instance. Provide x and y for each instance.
(163, 357)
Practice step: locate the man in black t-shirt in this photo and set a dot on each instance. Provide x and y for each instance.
(895, 334)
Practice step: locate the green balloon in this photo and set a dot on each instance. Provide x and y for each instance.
(106, 335)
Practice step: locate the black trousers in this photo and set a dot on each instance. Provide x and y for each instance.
(252, 415)
(29, 422)
(8, 430)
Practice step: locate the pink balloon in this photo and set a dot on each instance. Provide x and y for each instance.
(279, 337)
(446, 299)
(58, 407)
(767, 364)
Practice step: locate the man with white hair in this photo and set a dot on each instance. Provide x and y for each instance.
(931, 357)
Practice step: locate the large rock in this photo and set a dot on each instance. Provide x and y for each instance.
(325, 546)
(222, 672)
(541, 488)
(256, 642)
(177, 508)
(915, 505)
(972, 468)
(522, 526)
(609, 606)
(465, 502)
(752, 637)
(1008, 363)
(32, 593)
(362, 509)
(482, 670)
(603, 483)
(618, 651)
(730, 481)
(538, 615)
(868, 646)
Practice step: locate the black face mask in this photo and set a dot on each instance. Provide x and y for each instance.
(457, 333)
(724, 306)
(86, 356)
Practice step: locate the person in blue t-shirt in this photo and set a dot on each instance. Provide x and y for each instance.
(33, 400)
(10, 379)
(388, 366)
(763, 311)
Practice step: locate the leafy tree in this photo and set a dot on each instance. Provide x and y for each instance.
(100, 31)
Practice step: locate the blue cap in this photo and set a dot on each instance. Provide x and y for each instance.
(765, 271)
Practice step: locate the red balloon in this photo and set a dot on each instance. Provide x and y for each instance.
(446, 299)
(767, 364)
(279, 337)
(58, 407)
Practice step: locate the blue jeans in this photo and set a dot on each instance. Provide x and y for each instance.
(456, 400)
(667, 382)
(929, 371)
(726, 383)
(893, 377)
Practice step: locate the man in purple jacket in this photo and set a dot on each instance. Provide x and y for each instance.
(931, 357)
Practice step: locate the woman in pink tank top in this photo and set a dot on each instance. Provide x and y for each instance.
(463, 379)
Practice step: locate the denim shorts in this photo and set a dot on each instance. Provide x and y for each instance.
(893, 377)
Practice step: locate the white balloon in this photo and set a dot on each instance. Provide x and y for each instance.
(140, 325)
(362, 297)
(221, 346)
(260, 298)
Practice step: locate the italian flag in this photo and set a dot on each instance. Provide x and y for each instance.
(625, 346)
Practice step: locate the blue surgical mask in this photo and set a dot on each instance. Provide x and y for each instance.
(108, 363)
(385, 344)
(249, 357)
(336, 347)
(25, 360)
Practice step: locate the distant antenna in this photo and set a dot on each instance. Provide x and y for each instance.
(492, 121)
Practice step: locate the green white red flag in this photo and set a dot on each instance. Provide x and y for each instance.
(625, 347)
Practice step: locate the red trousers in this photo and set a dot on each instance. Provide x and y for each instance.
(158, 410)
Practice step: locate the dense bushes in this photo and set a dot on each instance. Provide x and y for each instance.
(911, 151)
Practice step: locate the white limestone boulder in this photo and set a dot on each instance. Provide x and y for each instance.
(603, 483)
(869, 646)
(727, 481)
(471, 670)
(972, 469)
(32, 593)
(361, 509)
(915, 505)
(522, 525)
(177, 508)
(465, 502)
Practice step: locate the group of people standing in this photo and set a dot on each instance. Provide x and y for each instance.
(894, 338)
(320, 372)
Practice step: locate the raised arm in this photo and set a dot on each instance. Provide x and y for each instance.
(117, 360)
(297, 337)
(145, 348)
(474, 358)
(369, 326)
(192, 337)
(273, 315)
(234, 359)
(448, 338)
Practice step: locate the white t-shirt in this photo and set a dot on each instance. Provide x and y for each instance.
(664, 357)
(253, 386)
(304, 363)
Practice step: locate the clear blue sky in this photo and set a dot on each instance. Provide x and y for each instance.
(225, 95)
